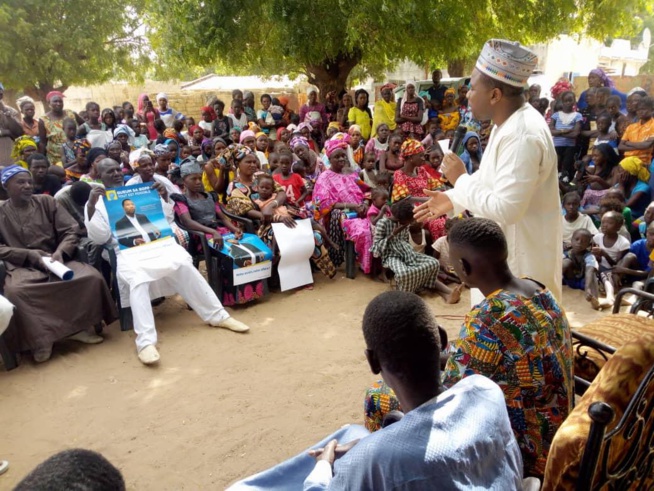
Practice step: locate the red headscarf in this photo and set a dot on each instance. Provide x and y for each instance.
(210, 110)
(52, 94)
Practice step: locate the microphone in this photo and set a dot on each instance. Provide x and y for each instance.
(459, 135)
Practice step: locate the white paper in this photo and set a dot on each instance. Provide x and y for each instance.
(58, 269)
(445, 145)
(296, 246)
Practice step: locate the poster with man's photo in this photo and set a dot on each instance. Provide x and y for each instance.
(136, 216)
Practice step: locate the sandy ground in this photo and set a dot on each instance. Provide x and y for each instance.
(220, 406)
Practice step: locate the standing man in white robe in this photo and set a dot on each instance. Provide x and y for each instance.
(168, 272)
(517, 181)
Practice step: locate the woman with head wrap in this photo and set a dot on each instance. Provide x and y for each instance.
(243, 199)
(384, 110)
(313, 112)
(175, 150)
(598, 78)
(409, 113)
(412, 179)
(208, 115)
(449, 115)
(472, 153)
(167, 114)
(51, 131)
(634, 183)
(360, 114)
(24, 146)
(339, 203)
(109, 119)
(313, 164)
(306, 130)
(125, 135)
(81, 148)
(146, 114)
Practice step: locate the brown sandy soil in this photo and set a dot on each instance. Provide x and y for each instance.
(220, 406)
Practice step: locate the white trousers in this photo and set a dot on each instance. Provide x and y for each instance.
(191, 286)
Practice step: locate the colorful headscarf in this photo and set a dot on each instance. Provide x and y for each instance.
(189, 166)
(301, 126)
(161, 149)
(162, 95)
(389, 85)
(297, 141)
(450, 91)
(81, 145)
(635, 167)
(279, 132)
(234, 154)
(11, 171)
(336, 142)
(335, 125)
(20, 144)
(411, 147)
(206, 147)
(176, 159)
(292, 128)
(123, 129)
(171, 133)
(253, 127)
(53, 93)
(246, 134)
(261, 133)
(210, 110)
(561, 86)
(283, 100)
(353, 128)
(192, 129)
(606, 81)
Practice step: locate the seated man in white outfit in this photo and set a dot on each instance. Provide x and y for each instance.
(460, 438)
(170, 271)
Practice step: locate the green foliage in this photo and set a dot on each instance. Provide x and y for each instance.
(646, 21)
(326, 39)
(53, 44)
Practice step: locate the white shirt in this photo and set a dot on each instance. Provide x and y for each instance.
(241, 122)
(614, 251)
(582, 221)
(517, 186)
(134, 221)
(461, 439)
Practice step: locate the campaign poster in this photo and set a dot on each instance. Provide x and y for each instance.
(251, 258)
(136, 216)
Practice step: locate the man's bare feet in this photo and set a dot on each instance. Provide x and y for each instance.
(455, 296)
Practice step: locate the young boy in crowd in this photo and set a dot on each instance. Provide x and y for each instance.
(413, 271)
(580, 267)
(293, 184)
(221, 123)
(604, 132)
(573, 220)
(369, 172)
(139, 140)
(636, 264)
(383, 180)
(609, 248)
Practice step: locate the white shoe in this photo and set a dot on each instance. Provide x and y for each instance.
(4, 466)
(232, 324)
(149, 355)
(43, 354)
(86, 338)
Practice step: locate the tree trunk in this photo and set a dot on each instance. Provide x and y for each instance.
(457, 68)
(38, 92)
(331, 73)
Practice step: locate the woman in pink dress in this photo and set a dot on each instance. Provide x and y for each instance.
(147, 114)
(340, 204)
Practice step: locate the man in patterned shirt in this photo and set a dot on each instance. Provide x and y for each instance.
(518, 337)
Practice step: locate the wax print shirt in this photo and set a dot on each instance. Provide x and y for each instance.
(292, 185)
(639, 248)
(524, 346)
(614, 251)
(565, 121)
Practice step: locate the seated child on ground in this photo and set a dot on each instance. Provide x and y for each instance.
(580, 267)
(573, 220)
(635, 266)
(612, 202)
(609, 249)
(369, 172)
(442, 253)
(413, 271)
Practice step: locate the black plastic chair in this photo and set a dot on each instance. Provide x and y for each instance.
(124, 313)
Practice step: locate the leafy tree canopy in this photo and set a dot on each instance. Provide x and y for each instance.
(327, 39)
(46, 45)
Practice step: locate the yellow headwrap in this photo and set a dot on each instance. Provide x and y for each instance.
(635, 167)
(450, 91)
(20, 144)
(335, 125)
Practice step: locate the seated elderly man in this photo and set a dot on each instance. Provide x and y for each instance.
(458, 438)
(168, 273)
(47, 308)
